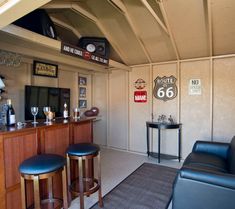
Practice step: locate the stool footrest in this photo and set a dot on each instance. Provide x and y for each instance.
(86, 181)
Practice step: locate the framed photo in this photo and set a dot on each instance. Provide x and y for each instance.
(82, 92)
(45, 69)
(82, 80)
(82, 103)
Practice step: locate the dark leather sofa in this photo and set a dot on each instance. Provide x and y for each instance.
(207, 177)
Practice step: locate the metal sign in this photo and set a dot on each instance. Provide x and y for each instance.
(140, 96)
(140, 83)
(81, 53)
(195, 87)
(165, 88)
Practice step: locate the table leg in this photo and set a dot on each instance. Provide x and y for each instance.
(147, 140)
(159, 144)
(179, 141)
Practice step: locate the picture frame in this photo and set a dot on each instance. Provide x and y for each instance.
(82, 103)
(82, 80)
(45, 69)
(82, 92)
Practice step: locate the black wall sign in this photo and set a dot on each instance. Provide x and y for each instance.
(83, 54)
(165, 88)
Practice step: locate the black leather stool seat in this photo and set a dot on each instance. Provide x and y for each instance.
(41, 164)
(83, 149)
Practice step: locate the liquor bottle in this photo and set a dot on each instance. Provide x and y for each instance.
(10, 114)
(65, 112)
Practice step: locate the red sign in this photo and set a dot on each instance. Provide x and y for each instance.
(140, 96)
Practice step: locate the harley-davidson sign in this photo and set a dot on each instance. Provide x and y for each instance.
(165, 88)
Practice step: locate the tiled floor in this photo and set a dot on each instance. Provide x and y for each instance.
(116, 166)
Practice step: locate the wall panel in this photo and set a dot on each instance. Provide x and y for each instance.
(169, 138)
(139, 112)
(224, 99)
(118, 110)
(195, 109)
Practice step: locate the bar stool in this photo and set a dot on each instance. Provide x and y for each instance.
(83, 152)
(39, 167)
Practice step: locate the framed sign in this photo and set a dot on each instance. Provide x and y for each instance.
(140, 96)
(45, 69)
(165, 88)
(82, 92)
(195, 87)
(82, 103)
(82, 80)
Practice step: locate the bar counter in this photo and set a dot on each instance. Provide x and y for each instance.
(20, 143)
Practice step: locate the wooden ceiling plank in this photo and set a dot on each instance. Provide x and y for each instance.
(57, 5)
(132, 25)
(13, 10)
(65, 25)
(152, 12)
(55, 45)
(83, 12)
(164, 14)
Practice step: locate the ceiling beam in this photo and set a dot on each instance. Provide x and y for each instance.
(13, 10)
(150, 9)
(78, 9)
(209, 26)
(121, 7)
(164, 13)
(29, 36)
(65, 25)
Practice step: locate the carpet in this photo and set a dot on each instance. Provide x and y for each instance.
(148, 187)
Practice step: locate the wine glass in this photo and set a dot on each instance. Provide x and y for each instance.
(46, 111)
(34, 111)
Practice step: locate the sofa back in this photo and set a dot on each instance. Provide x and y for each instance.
(231, 156)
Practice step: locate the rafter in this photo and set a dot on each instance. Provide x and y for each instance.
(13, 10)
(150, 9)
(209, 22)
(65, 25)
(81, 11)
(123, 9)
(164, 13)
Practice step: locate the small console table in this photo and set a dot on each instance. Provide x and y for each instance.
(161, 126)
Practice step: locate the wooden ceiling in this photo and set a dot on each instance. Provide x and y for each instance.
(149, 31)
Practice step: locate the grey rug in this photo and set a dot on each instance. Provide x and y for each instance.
(148, 187)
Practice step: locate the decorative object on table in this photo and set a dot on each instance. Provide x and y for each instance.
(94, 111)
(82, 92)
(10, 59)
(82, 103)
(45, 69)
(34, 111)
(140, 84)
(82, 80)
(140, 96)
(165, 88)
(171, 120)
(161, 119)
(195, 87)
(65, 112)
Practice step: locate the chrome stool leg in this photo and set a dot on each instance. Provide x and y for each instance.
(99, 181)
(80, 166)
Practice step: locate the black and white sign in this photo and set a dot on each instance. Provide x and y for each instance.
(165, 88)
(81, 53)
(195, 87)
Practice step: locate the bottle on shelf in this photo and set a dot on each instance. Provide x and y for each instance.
(65, 112)
(10, 114)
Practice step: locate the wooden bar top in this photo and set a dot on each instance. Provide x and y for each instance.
(41, 124)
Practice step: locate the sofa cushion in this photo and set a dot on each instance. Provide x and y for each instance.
(232, 156)
(206, 161)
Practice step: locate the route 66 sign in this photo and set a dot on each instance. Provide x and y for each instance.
(165, 88)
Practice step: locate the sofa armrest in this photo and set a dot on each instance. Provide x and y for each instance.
(215, 178)
(216, 148)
